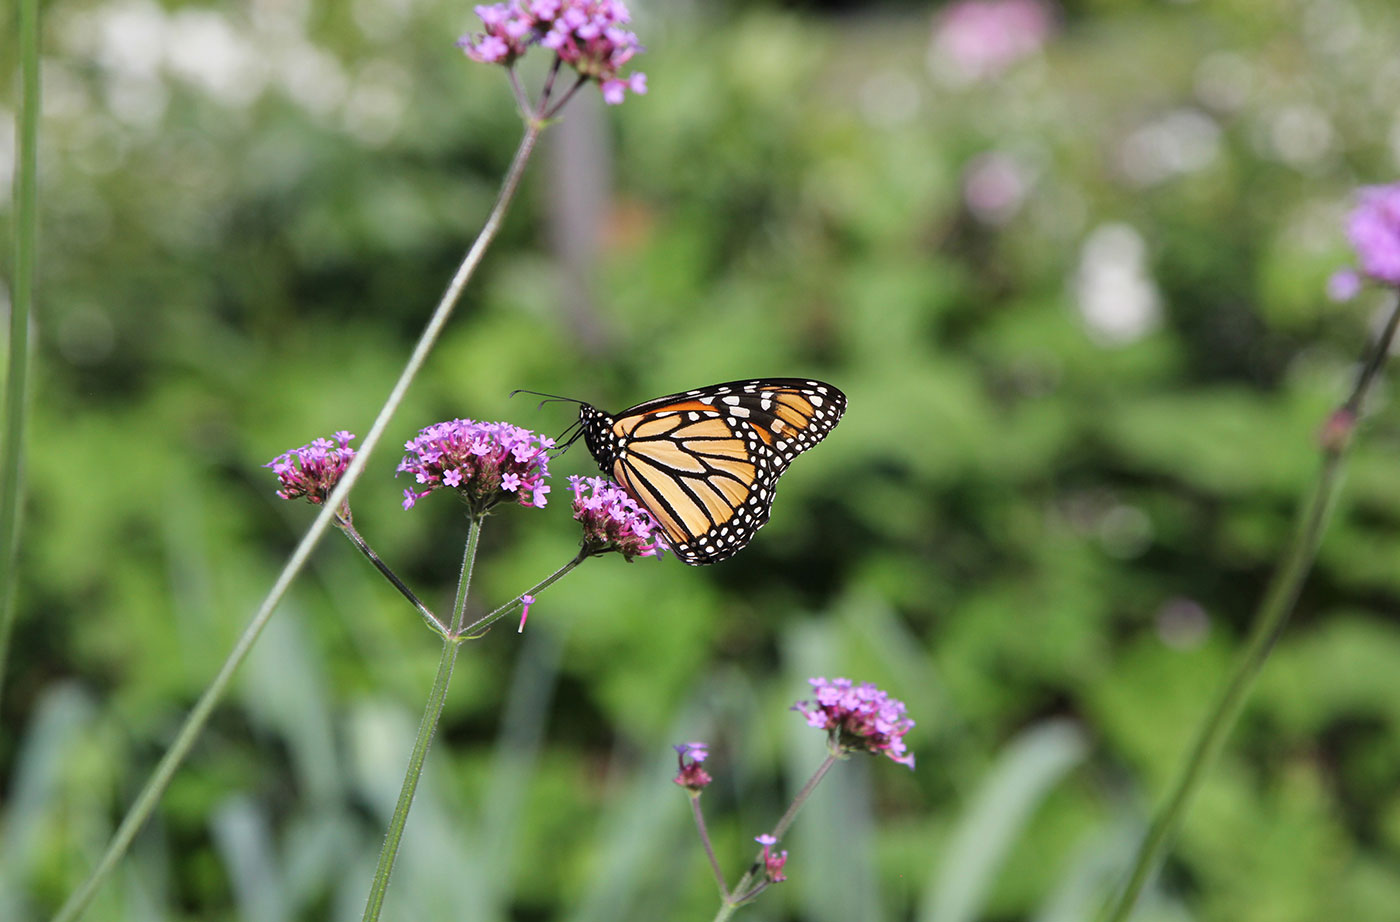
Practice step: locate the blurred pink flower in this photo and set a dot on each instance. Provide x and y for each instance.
(979, 39)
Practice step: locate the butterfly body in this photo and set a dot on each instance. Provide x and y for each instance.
(705, 462)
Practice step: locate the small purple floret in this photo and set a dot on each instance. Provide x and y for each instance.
(772, 861)
(688, 757)
(484, 462)
(858, 718)
(314, 469)
(613, 521)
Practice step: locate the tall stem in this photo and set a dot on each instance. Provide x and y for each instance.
(26, 231)
(1273, 613)
(427, 727)
(194, 723)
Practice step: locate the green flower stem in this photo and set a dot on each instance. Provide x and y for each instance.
(155, 787)
(26, 232)
(349, 531)
(1273, 613)
(705, 841)
(427, 727)
(477, 627)
(746, 889)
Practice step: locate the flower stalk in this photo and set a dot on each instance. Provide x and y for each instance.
(1271, 617)
(427, 729)
(154, 789)
(26, 236)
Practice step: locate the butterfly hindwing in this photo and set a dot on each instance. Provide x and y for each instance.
(705, 462)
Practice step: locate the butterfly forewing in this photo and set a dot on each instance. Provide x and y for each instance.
(705, 462)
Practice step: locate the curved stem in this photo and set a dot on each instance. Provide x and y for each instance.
(26, 231)
(355, 538)
(709, 848)
(1273, 613)
(745, 890)
(474, 630)
(194, 723)
(427, 728)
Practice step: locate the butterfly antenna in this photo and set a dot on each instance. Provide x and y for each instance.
(548, 398)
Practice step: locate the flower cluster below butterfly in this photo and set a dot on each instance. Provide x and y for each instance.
(705, 462)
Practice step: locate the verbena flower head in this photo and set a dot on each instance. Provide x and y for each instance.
(1374, 230)
(858, 718)
(484, 462)
(691, 775)
(314, 469)
(613, 521)
(588, 35)
(772, 861)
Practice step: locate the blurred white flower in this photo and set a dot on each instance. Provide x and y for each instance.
(1182, 141)
(1117, 298)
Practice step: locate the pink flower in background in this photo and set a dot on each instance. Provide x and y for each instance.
(995, 185)
(314, 469)
(1374, 230)
(979, 39)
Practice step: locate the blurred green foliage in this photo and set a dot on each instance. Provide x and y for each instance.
(1078, 312)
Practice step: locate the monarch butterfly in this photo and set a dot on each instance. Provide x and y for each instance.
(705, 462)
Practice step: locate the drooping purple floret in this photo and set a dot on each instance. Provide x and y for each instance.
(859, 718)
(772, 861)
(690, 774)
(484, 462)
(613, 521)
(314, 469)
(587, 35)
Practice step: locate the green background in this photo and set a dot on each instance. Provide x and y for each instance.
(1046, 537)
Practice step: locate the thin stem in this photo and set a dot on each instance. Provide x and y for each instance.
(1273, 613)
(474, 630)
(26, 231)
(742, 892)
(554, 109)
(427, 727)
(520, 98)
(433, 620)
(709, 848)
(194, 723)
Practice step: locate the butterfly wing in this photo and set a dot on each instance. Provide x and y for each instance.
(705, 462)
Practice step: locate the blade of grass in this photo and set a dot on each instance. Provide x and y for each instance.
(1024, 774)
(26, 232)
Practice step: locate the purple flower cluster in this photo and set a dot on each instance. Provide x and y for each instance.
(1374, 229)
(691, 775)
(313, 470)
(772, 861)
(858, 718)
(484, 462)
(587, 35)
(613, 521)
